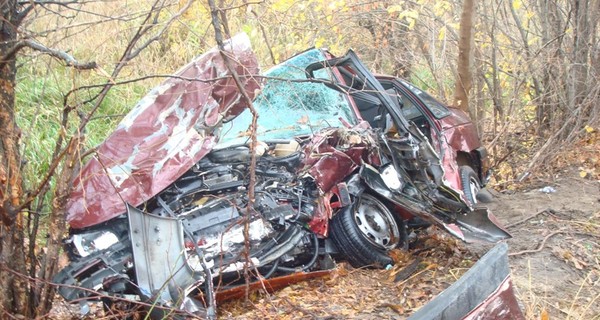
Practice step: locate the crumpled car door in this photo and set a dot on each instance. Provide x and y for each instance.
(459, 219)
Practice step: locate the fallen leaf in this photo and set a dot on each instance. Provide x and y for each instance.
(544, 315)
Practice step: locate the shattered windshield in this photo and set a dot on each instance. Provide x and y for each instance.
(291, 108)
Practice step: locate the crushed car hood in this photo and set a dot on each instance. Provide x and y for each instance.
(165, 134)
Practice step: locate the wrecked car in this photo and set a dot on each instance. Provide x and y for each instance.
(180, 199)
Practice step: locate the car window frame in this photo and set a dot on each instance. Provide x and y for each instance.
(409, 87)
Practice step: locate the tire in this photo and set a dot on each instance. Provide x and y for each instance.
(471, 185)
(366, 231)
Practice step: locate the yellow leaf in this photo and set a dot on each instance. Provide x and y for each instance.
(394, 8)
(530, 14)
(544, 315)
(582, 173)
(319, 42)
(442, 34)
(588, 129)
(411, 14)
(411, 23)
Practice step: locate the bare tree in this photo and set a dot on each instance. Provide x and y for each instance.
(15, 297)
(24, 272)
(464, 77)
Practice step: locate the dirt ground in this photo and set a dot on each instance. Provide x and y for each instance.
(555, 249)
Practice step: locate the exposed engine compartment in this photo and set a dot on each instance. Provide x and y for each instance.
(211, 200)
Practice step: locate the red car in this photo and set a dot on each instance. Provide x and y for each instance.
(180, 199)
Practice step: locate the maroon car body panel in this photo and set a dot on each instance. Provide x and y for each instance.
(460, 136)
(329, 158)
(485, 291)
(501, 305)
(460, 132)
(165, 134)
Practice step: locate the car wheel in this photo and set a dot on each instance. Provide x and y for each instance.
(366, 231)
(470, 183)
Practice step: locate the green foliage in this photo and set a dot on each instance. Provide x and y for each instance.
(39, 109)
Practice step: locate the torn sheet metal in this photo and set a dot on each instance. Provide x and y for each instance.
(334, 153)
(484, 292)
(460, 135)
(162, 271)
(168, 131)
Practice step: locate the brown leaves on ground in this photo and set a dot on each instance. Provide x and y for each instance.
(585, 154)
(432, 265)
(580, 248)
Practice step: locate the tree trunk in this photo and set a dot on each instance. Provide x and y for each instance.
(13, 298)
(49, 266)
(551, 82)
(581, 36)
(464, 77)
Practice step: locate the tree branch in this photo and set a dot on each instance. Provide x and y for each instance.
(542, 244)
(34, 2)
(166, 25)
(69, 60)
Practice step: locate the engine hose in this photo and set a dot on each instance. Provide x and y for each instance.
(311, 263)
(266, 276)
(272, 270)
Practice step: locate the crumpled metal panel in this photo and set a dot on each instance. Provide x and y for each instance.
(329, 158)
(460, 135)
(483, 292)
(168, 131)
(162, 270)
(334, 153)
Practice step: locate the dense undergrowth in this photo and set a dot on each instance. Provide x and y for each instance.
(522, 99)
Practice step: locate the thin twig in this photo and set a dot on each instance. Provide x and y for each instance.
(589, 224)
(298, 308)
(528, 218)
(69, 60)
(543, 243)
(245, 4)
(264, 33)
(218, 23)
(429, 267)
(158, 34)
(215, 79)
(540, 246)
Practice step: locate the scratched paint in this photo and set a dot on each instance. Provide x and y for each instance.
(169, 130)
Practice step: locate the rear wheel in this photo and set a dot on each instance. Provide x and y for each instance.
(470, 183)
(366, 231)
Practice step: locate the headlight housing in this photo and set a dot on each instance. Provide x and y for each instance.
(89, 242)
